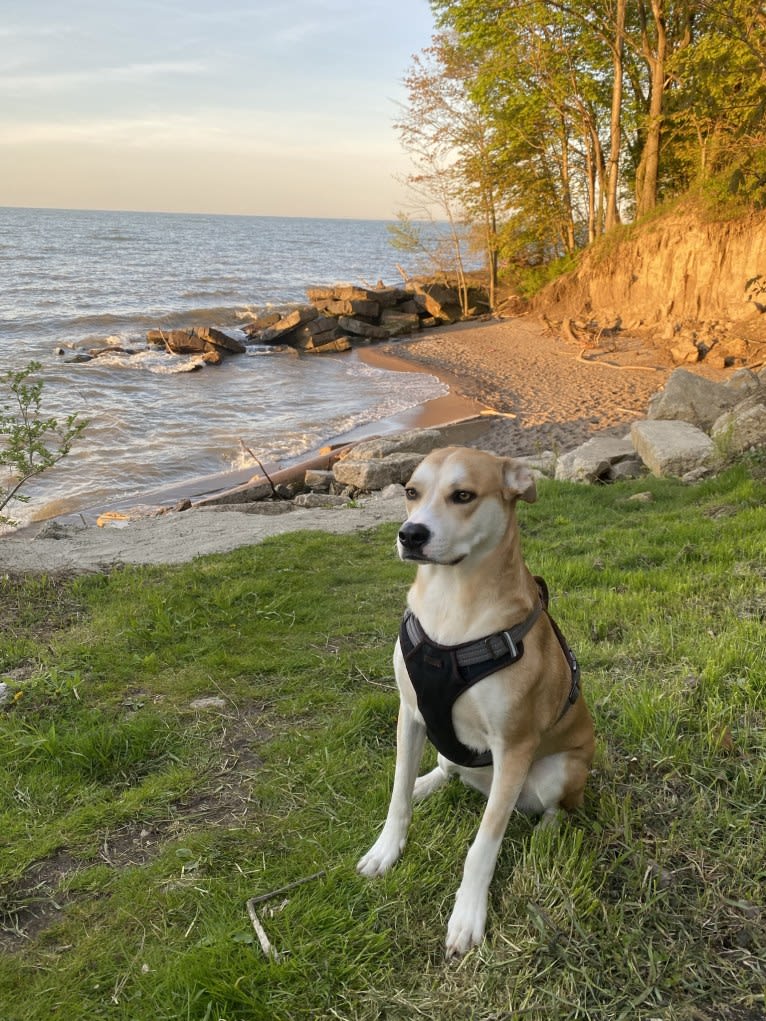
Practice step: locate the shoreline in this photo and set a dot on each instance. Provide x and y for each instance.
(447, 409)
(518, 388)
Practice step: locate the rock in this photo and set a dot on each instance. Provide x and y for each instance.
(357, 307)
(417, 441)
(691, 398)
(393, 492)
(671, 447)
(594, 461)
(744, 381)
(631, 468)
(361, 329)
(544, 463)
(241, 494)
(377, 473)
(741, 428)
(6, 695)
(319, 500)
(219, 339)
(281, 330)
(262, 323)
(439, 301)
(197, 340)
(318, 480)
(317, 347)
(645, 497)
(398, 323)
(685, 351)
(211, 702)
(54, 530)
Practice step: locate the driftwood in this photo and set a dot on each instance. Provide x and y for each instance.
(266, 475)
(263, 939)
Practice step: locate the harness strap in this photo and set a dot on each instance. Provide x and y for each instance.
(441, 673)
(484, 651)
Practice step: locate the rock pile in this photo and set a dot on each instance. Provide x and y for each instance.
(336, 319)
(692, 424)
(341, 316)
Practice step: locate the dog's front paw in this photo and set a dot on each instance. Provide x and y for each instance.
(386, 850)
(465, 928)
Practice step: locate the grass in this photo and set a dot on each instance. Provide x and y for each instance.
(136, 827)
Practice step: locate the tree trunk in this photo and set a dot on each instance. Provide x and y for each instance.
(615, 126)
(570, 240)
(646, 197)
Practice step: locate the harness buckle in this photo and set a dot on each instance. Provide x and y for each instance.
(506, 644)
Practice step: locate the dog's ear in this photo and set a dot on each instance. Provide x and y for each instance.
(519, 481)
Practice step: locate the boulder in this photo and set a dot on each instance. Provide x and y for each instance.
(356, 307)
(744, 381)
(595, 460)
(691, 398)
(262, 323)
(281, 330)
(411, 441)
(672, 447)
(358, 328)
(742, 428)
(397, 323)
(318, 480)
(318, 346)
(195, 340)
(376, 473)
(685, 351)
(438, 302)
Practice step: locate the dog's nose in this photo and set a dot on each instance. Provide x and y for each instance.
(413, 536)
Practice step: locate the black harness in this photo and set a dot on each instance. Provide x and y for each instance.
(441, 673)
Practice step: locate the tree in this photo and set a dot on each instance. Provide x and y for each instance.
(450, 143)
(27, 434)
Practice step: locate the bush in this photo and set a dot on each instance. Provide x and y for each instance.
(31, 443)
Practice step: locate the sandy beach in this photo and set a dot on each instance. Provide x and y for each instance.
(546, 396)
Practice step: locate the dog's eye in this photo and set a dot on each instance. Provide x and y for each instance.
(411, 493)
(463, 496)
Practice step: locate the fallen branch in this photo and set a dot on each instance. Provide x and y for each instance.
(285, 889)
(263, 939)
(247, 449)
(260, 932)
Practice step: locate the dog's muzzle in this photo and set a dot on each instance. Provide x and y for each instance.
(412, 539)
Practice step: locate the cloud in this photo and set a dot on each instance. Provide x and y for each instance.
(221, 130)
(56, 81)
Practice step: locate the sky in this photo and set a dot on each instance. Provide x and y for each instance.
(258, 107)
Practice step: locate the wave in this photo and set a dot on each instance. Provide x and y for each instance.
(159, 362)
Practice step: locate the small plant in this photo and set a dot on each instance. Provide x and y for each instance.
(31, 443)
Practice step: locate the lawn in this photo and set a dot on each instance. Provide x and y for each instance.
(136, 822)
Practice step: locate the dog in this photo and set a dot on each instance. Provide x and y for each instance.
(497, 685)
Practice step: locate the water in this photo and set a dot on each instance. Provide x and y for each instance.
(84, 279)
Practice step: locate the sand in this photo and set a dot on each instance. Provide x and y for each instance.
(547, 397)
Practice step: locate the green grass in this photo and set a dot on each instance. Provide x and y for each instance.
(134, 828)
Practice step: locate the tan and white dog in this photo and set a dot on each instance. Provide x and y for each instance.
(473, 588)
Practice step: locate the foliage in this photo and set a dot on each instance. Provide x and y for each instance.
(32, 444)
(136, 827)
(549, 122)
